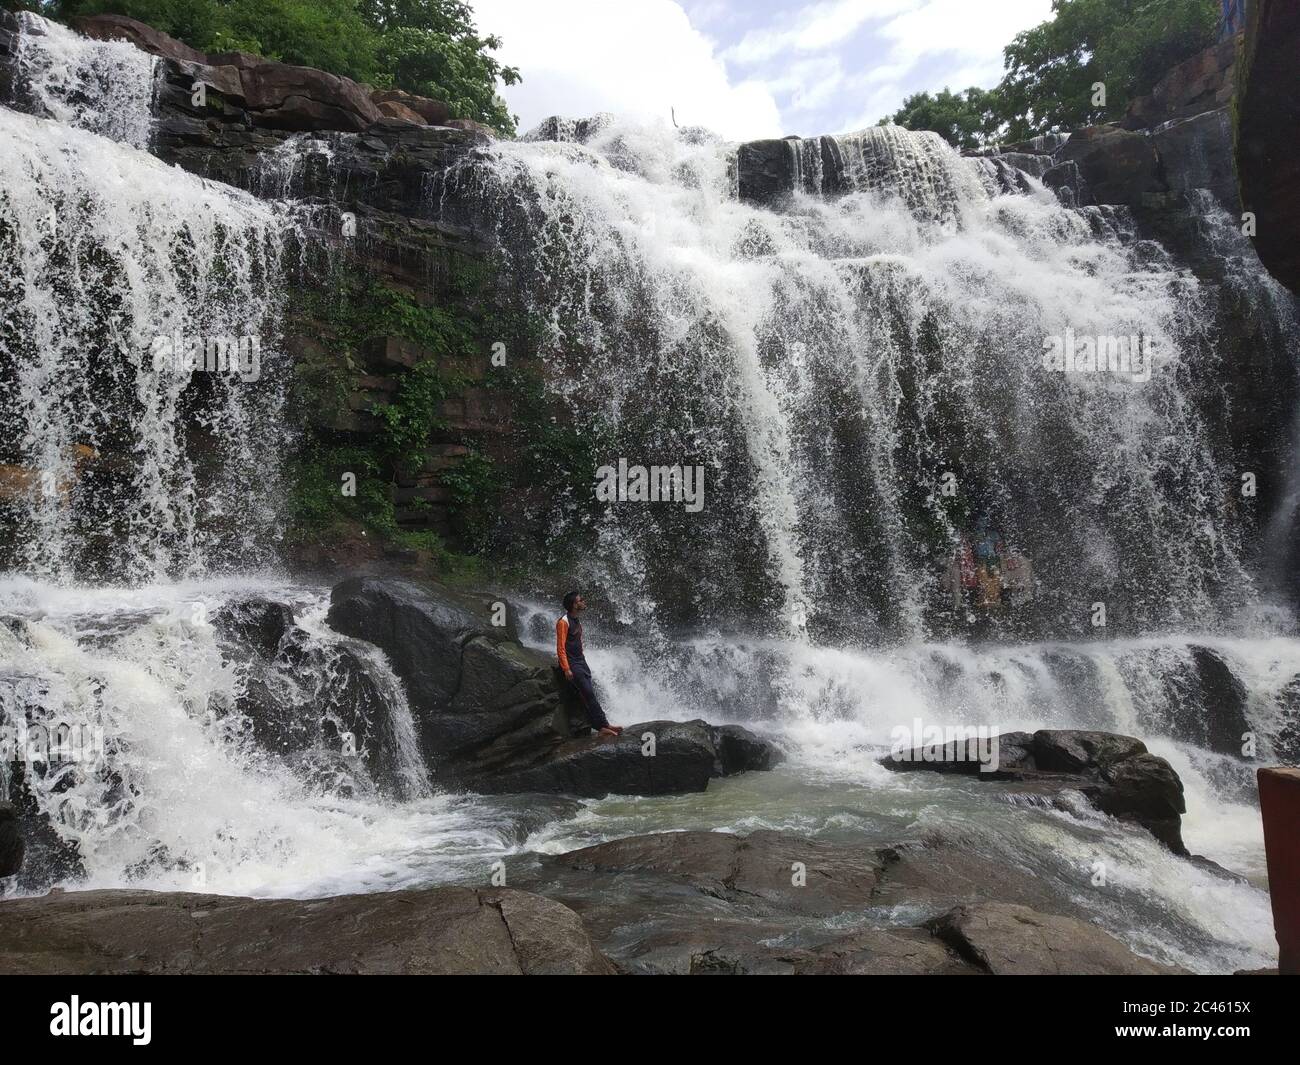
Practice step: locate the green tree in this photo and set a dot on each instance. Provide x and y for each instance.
(430, 47)
(964, 119)
(1127, 45)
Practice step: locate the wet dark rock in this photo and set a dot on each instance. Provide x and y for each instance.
(493, 715)
(941, 871)
(320, 706)
(446, 930)
(48, 856)
(765, 171)
(1222, 724)
(884, 952)
(1268, 130)
(11, 841)
(1196, 153)
(1115, 773)
(1143, 789)
(467, 683)
(30, 837)
(1008, 940)
(259, 623)
(1073, 751)
(687, 755)
(1113, 165)
(777, 903)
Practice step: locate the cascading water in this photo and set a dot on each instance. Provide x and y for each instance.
(863, 376)
(110, 259)
(105, 87)
(829, 364)
(149, 740)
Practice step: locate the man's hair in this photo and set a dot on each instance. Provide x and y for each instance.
(569, 599)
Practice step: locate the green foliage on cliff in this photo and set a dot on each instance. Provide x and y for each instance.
(1127, 45)
(428, 47)
(345, 315)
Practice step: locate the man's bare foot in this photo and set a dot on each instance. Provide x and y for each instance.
(609, 730)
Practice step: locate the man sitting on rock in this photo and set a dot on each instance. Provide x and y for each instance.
(568, 648)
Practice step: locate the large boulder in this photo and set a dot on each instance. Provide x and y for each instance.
(469, 684)
(1008, 940)
(323, 707)
(494, 715)
(1107, 165)
(1115, 773)
(437, 931)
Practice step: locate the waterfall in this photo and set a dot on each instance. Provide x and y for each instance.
(105, 87)
(112, 259)
(163, 776)
(860, 369)
(863, 375)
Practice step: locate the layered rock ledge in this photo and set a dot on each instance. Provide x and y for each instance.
(677, 902)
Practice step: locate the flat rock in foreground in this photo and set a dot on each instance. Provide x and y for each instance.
(778, 903)
(1009, 940)
(438, 931)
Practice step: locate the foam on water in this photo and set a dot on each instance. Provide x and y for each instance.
(104, 87)
(825, 362)
(104, 251)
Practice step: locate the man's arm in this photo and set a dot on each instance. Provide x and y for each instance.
(561, 638)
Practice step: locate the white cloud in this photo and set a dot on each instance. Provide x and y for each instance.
(968, 37)
(579, 57)
(813, 28)
(824, 67)
(883, 50)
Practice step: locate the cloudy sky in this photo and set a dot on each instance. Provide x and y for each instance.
(748, 68)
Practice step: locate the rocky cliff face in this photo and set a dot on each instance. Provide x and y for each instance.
(1268, 130)
(364, 163)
